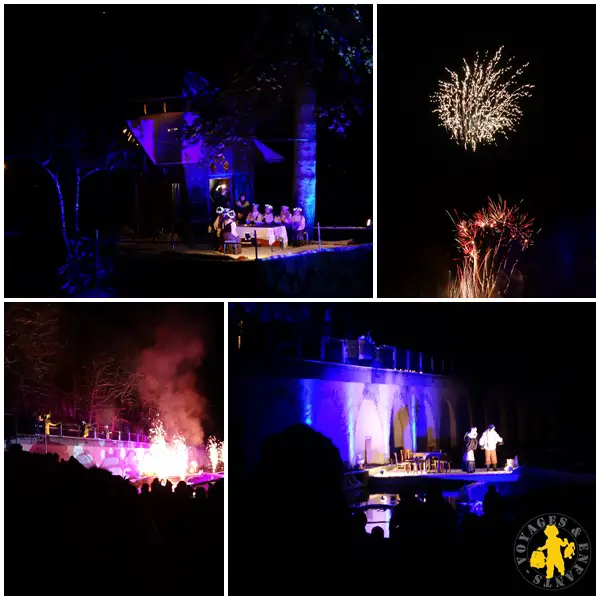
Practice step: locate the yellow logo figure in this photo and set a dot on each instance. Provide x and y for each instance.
(552, 551)
(553, 559)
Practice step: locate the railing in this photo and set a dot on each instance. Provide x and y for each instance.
(363, 352)
(73, 433)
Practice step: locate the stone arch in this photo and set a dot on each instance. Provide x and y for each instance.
(448, 434)
(401, 428)
(369, 424)
(426, 424)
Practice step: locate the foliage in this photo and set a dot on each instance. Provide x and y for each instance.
(321, 45)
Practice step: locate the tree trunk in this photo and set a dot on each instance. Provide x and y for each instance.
(61, 204)
(305, 152)
(77, 187)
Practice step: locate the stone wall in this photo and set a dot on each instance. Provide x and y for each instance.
(361, 409)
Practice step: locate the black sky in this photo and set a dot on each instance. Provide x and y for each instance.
(548, 162)
(539, 345)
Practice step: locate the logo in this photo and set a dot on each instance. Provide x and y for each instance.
(552, 551)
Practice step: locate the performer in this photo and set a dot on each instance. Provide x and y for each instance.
(254, 217)
(285, 216)
(489, 440)
(86, 429)
(229, 227)
(227, 203)
(242, 208)
(298, 225)
(48, 423)
(469, 447)
(38, 424)
(269, 217)
(215, 229)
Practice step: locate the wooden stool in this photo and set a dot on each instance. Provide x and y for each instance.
(304, 241)
(231, 247)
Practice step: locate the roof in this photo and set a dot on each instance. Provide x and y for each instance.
(160, 137)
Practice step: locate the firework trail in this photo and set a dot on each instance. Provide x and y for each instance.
(490, 243)
(214, 450)
(481, 104)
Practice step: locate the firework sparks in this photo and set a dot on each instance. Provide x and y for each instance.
(490, 243)
(483, 104)
(214, 450)
(166, 458)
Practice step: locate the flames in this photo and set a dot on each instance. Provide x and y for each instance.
(166, 459)
(171, 458)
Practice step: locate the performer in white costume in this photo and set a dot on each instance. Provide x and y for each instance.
(269, 217)
(489, 440)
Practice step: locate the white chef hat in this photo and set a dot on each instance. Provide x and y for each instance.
(220, 210)
(297, 209)
(231, 214)
(268, 206)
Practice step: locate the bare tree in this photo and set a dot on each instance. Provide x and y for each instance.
(111, 389)
(32, 353)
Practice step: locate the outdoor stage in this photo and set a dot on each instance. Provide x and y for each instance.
(263, 252)
(390, 474)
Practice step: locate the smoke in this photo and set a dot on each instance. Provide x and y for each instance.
(168, 383)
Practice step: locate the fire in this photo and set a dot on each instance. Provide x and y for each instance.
(214, 450)
(166, 459)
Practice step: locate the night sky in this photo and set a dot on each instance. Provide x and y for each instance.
(534, 344)
(91, 62)
(548, 162)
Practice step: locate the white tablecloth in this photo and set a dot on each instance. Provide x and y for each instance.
(264, 232)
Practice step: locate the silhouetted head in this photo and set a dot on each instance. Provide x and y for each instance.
(378, 533)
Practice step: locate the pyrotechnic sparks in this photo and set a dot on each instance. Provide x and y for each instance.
(214, 451)
(490, 242)
(483, 104)
(165, 458)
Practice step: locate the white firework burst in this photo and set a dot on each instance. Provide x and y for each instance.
(483, 103)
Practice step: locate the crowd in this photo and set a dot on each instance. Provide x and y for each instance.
(297, 534)
(76, 531)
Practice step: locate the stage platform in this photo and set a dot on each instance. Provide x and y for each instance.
(248, 252)
(481, 475)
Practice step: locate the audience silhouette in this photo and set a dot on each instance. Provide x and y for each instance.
(96, 535)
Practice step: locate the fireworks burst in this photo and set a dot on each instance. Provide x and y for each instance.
(166, 458)
(483, 104)
(214, 450)
(490, 243)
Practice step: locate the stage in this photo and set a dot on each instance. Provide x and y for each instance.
(390, 474)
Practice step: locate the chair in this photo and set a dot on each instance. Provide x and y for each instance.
(232, 247)
(406, 462)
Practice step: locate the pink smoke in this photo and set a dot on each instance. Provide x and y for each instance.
(168, 383)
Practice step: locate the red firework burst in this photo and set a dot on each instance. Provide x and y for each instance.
(490, 242)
